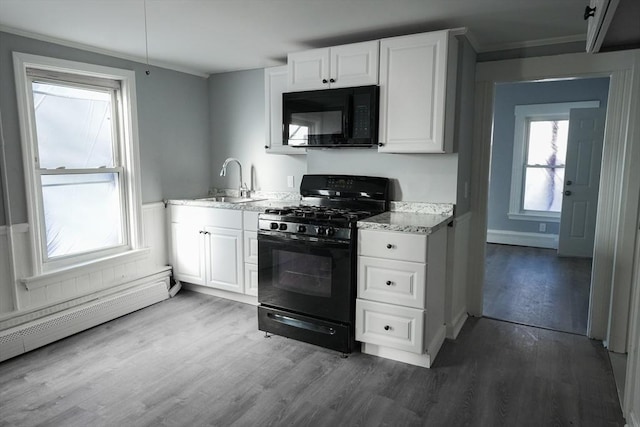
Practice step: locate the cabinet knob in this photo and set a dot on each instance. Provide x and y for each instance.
(200, 232)
(380, 144)
(389, 245)
(589, 12)
(266, 147)
(567, 193)
(389, 282)
(387, 327)
(569, 182)
(324, 81)
(332, 80)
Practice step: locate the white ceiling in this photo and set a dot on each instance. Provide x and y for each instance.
(213, 36)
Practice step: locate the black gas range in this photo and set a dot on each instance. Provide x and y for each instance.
(307, 259)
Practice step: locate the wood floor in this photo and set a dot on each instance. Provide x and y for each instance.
(534, 286)
(199, 360)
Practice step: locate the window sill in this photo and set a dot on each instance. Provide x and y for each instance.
(50, 277)
(541, 217)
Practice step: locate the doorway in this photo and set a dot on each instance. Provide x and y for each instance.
(526, 281)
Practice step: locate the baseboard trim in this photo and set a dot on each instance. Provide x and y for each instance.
(517, 238)
(43, 331)
(246, 299)
(458, 322)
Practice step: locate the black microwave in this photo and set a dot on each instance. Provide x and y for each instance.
(345, 117)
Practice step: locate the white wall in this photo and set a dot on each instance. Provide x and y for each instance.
(238, 130)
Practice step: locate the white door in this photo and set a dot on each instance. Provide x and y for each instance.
(582, 179)
(225, 259)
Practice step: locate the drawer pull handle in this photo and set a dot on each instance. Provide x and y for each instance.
(389, 245)
(387, 327)
(389, 283)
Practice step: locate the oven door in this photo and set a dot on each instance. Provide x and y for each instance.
(306, 275)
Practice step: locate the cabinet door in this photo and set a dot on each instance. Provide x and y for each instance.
(251, 279)
(595, 35)
(275, 84)
(354, 65)
(224, 259)
(413, 77)
(308, 70)
(251, 247)
(187, 250)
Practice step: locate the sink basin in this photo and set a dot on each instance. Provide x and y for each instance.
(229, 199)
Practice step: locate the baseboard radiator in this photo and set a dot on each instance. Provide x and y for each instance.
(43, 331)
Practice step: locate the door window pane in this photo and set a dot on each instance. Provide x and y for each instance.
(73, 126)
(81, 212)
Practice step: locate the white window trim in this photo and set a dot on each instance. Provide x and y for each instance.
(523, 113)
(130, 155)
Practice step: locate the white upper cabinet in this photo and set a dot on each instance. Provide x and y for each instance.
(334, 67)
(417, 93)
(275, 84)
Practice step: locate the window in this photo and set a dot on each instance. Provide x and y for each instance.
(80, 153)
(539, 156)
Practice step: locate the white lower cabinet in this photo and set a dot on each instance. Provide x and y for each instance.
(250, 253)
(400, 304)
(207, 247)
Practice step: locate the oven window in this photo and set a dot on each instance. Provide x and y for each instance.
(302, 273)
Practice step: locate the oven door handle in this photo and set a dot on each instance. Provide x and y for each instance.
(301, 324)
(267, 236)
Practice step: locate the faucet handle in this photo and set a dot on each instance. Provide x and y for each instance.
(244, 190)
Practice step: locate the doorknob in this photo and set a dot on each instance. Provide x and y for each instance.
(567, 193)
(569, 182)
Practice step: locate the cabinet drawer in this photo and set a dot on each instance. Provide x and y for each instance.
(393, 245)
(390, 325)
(391, 281)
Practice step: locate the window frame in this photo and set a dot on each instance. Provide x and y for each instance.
(127, 152)
(523, 115)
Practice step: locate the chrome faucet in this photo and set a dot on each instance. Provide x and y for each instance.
(244, 191)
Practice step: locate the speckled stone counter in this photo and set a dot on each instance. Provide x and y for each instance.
(410, 218)
(263, 201)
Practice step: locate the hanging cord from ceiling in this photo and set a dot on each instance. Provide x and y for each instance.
(146, 38)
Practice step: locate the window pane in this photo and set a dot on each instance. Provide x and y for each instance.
(73, 126)
(543, 189)
(81, 212)
(547, 142)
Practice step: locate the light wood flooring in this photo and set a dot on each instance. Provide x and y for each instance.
(198, 360)
(534, 286)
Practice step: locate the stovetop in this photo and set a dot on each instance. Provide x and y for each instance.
(318, 213)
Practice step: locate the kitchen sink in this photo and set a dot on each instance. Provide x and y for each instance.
(229, 199)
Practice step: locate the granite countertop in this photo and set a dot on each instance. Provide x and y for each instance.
(407, 222)
(408, 217)
(263, 200)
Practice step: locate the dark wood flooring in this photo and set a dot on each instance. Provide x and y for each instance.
(198, 360)
(534, 286)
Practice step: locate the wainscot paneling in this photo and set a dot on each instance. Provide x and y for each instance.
(93, 291)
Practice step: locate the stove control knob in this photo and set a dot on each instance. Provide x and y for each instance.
(330, 231)
(283, 227)
(273, 226)
(302, 228)
(320, 231)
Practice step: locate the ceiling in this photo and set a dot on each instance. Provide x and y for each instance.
(213, 36)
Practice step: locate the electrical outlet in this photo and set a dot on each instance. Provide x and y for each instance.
(290, 182)
(542, 227)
